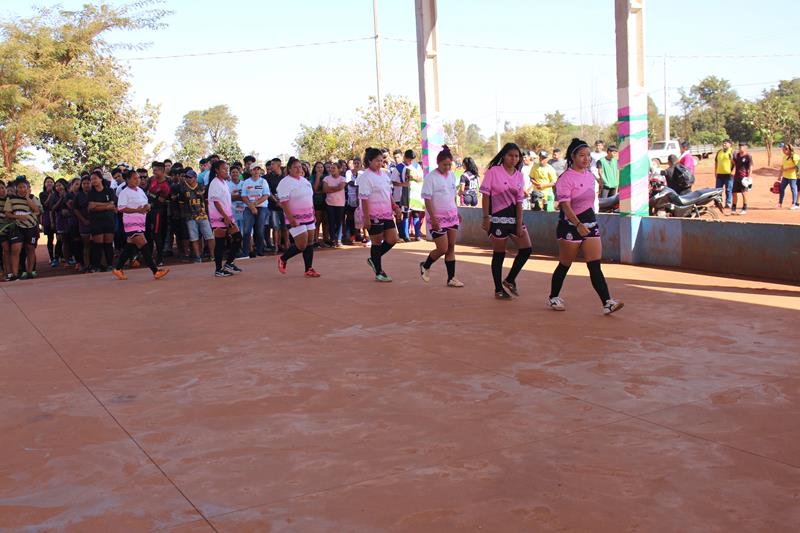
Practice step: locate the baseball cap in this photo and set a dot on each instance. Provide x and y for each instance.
(543, 154)
(191, 174)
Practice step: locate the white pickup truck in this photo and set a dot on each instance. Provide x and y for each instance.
(661, 150)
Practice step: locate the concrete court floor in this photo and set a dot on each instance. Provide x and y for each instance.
(271, 403)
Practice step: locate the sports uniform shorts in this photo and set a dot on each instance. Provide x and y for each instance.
(567, 232)
(442, 232)
(99, 226)
(302, 228)
(379, 225)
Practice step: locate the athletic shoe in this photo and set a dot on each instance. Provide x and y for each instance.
(612, 306)
(11, 277)
(54, 263)
(512, 287)
(795, 207)
(383, 277)
(372, 265)
(556, 304)
(744, 212)
(424, 272)
(311, 273)
(160, 273)
(502, 295)
(281, 266)
(34, 274)
(24, 275)
(198, 260)
(454, 283)
(230, 267)
(71, 261)
(119, 274)
(222, 274)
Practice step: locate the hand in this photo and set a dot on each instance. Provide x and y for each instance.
(254, 210)
(583, 230)
(146, 208)
(485, 224)
(435, 225)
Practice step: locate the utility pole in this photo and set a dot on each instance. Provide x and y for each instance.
(496, 123)
(428, 65)
(666, 102)
(634, 164)
(377, 53)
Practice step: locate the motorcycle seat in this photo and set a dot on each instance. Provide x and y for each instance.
(609, 202)
(697, 197)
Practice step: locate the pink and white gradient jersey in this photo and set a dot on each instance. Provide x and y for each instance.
(218, 191)
(505, 190)
(298, 195)
(132, 198)
(440, 189)
(577, 188)
(376, 188)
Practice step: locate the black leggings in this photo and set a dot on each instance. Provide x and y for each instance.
(335, 216)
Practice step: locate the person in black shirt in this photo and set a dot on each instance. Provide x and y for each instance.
(102, 215)
(742, 163)
(277, 221)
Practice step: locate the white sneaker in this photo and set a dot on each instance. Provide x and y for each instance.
(744, 212)
(424, 272)
(454, 282)
(795, 207)
(612, 306)
(556, 304)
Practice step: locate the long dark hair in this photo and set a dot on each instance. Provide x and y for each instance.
(471, 167)
(573, 147)
(212, 173)
(498, 159)
(370, 154)
(292, 161)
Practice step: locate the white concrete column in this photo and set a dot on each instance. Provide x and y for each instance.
(428, 65)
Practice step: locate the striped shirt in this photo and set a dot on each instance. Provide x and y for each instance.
(19, 206)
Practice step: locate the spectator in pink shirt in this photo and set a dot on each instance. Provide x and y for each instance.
(687, 159)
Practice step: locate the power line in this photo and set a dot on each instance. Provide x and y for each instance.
(250, 50)
(596, 54)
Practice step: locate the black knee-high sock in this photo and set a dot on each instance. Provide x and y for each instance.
(385, 247)
(126, 254)
(598, 280)
(375, 254)
(522, 257)
(59, 249)
(558, 279)
(497, 270)
(108, 249)
(234, 246)
(429, 261)
(220, 244)
(95, 254)
(451, 268)
(147, 255)
(308, 256)
(291, 252)
(50, 247)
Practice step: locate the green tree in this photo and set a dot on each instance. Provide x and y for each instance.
(56, 59)
(204, 131)
(455, 135)
(227, 147)
(710, 107)
(396, 125)
(319, 143)
(768, 117)
(530, 137)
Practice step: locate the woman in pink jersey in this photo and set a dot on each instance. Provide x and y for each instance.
(296, 196)
(375, 192)
(577, 227)
(133, 204)
(503, 190)
(227, 237)
(439, 193)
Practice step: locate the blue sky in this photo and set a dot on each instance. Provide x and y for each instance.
(273, 92)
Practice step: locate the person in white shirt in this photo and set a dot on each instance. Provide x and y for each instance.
(255, 194)
(439, 193)
(375, 192)
(220, 213)
(296, 196)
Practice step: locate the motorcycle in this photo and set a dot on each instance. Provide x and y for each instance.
(609, 204)
(703, 203)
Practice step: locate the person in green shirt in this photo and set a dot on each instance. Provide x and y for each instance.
(543, 179)
(608, 167)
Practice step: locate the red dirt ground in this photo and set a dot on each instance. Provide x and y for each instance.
(278, 403)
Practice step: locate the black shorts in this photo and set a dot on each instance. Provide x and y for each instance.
(501, 227)
(99, 226)
(567, 232)
(378, 226)
(738, 186)
(442, 232)
(24, 236)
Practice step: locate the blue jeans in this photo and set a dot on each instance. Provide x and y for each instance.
(254, 224)
(726, 180)
(792, 184)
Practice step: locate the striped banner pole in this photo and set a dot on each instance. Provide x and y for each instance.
(634, 163)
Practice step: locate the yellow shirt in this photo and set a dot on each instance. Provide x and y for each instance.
(724, 161)
(790, 166)
(544, 175)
